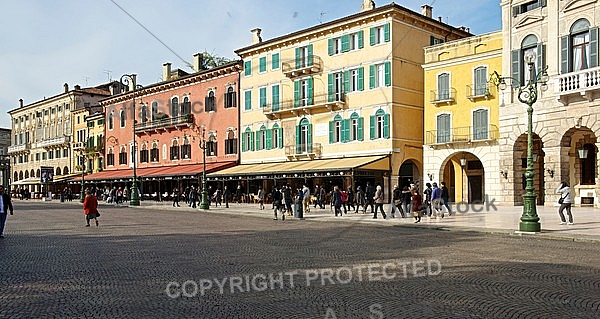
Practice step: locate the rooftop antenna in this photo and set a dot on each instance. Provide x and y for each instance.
(108, 73)
(321, 15)
(85, 78)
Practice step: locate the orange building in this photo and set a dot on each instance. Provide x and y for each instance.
(172, 119)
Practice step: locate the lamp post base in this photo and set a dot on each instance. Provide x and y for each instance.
(204, 204)
(81, 196)
(530, 221)
(135, 199)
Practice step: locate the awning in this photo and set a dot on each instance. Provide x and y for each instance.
(27, 181)
(64, 178)
(321, 165)
(160, 171)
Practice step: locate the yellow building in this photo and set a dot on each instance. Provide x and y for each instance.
(88, 139)
(461, 116)
(340, 103)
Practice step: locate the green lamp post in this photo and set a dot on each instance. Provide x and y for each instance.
(204, 204)
(528, 94)
(126, 79)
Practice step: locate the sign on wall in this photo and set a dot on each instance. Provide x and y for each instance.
(47, 174)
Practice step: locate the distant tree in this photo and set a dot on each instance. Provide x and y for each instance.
(210, 60)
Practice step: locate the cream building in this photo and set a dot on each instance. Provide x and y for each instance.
(461, 117)
(340, 103)
(42, 135)
(564, 37)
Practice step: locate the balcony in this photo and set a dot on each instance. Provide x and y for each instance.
(477, 93)
(584, 84)
(443, 97)
(298, 151)
(165, 124)
(78, 146)
(466, 134)
(303, 66)
(19, 148)
(55, 142)
(307, 106)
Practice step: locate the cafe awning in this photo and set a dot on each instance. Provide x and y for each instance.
(155, 172)
(308, 166)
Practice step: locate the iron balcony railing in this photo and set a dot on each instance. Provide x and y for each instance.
(55, 141)
(302, 66)
(327, 102)
(164, 123)
(443, 96)
(475, 92)
(304, 149)
(464, 134)
(19, 148)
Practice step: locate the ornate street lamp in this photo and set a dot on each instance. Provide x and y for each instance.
(530, 221)
(204, 204)
(82, 192)
(126, 79)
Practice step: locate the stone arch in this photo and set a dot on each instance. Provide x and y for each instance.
(578, 164)
(464, 175)
(408, 172)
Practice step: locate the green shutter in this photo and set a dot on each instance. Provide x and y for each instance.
(252, 141)
(386, 126)
(275, 61)
(280, 136)
(361, 78)
(262, 64)
(372, 76)
(372, 36)
(248, 68)
(310, 91)
(310, 55)
(298, 146)
(593, 47)
(263, 97)
(387, 72)
(330, 47)
(347, 81)
(516, 67)
(269, 139)
(248, 100)
(564, 55)
(346, 130)
(257, 140)
(309, 138)
(275, 98)
(386, 32)
(298, 62)
(372, 120)
(361, 123)
(345, 43)
(331, 131)
(360, 39)
(244, 141)
(296, 93)
(330, 88)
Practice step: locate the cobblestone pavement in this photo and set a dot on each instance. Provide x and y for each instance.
(148, 263)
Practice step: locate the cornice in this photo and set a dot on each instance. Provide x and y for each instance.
(575, 4)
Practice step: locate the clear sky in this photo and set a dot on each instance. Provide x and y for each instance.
(44, 44)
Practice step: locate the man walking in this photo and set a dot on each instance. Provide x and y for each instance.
(305, 199)
(5, 206)
(427, 199)
(175, 197)
(436, 201)
(226, 196)
(369, 193)
(446, 197)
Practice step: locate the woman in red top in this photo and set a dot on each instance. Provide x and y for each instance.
(90, 208)
(417, 205)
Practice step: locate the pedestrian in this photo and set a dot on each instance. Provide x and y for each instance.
(360, 200)
(397, 198)
(336, 199)
(322, 197)
(287, 198)
(175, 197)
(406, 201)
(119, 195)
(261, 198)
(427, 199)
(305, 199)
(218, 197)
(369, 194)
(317, 197)
(277, 207)
(226, 196)
(350, 202)
(378, 198)
(565, 201)
(193, 196)
(436, 201)
(238, 194)
(417, 206)
(90, 208)
(6, 206)
(446, 197)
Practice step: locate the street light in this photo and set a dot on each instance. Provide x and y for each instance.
(126, 79)
(530, 221)
(204, 204)
(82, 192)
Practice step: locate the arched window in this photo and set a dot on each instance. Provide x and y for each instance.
(174, 150)
(38, 173)
(277, 136)
(304, 137)
(335, 129)
(581, 53)
(380, 125)
(210, 103)
(186, 149)
(154, 110)
(261, 142)
(175, 107)
(230, 100)
(16, 177)
(211, 144)
(110, 157)
(356, 127)
(58, 171)
(144, 113)
(122, 118)
(111, 120)
(230, 142)
(123, 156)
(26, 174)
(186, 107)
(144, 153)
(528, 47)
(154, 155)
(65, 170)
(247, 138)
(32, 173)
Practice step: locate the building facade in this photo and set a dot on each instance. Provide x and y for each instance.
(340, 103)
(562, 35)
(174, 119)
(43, 134)
(461, 117)
(5, 139)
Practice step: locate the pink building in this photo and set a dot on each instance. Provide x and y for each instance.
(172, 119)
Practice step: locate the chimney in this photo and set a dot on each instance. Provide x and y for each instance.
(66, 87)
(111, 88)
(166, 71)
(20, 102)
(77, 87)
(132, 83)
(367, 5)
(426, 10)
(198, 57)
(256, 36)
(440, 18)
(468, 30)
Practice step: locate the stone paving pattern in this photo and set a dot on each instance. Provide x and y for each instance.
(53, 267)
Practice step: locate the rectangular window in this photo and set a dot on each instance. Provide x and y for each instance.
(443, 128)
(57, 153)
(354, 80)
(186, 151)
(144, 156)
(379, 34)
(354, 129)
(230, 99)
(211, 148)
(262, 97)
(37, 156)
(262, 64)
(231, 146)
(275, 61)
(110, 159)
(480, 81)
(379, 75)
(50, 154)
(154, 154)
(304, 56)
(303, 92)
(248, 100)
(65, 152)
(174, 150)
(122, 158)
(528, 6)
(443, 85)
(480, 125)
(248, 68)
(275, 97)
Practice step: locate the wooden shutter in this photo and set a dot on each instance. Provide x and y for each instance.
(516, 66)
(564, 54)
(280, 136)
(593, 47)
(275, 98)
(310, 55)
(347, 81)
(386, 126)
(248, 100)
(346, 130)
(298, 58)
(372, 120)
(331, 132)
(360, 39)
(247, 68)
(372, 36)
(541, 57)
(262, 64)
(388, 70)
(269, 139)
(361, 124)
(345, 43)
(244, 142)
(298, 139)
(330, 88)
(330, 47)
(275, 61)
(296, 93)
(372, 76)
(386, 32)
(361, 78)
(310, 91)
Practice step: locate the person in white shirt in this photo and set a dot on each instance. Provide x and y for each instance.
(565, 202)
